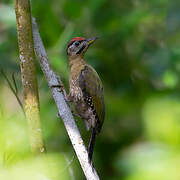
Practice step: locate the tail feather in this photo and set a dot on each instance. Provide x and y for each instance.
(91, 144)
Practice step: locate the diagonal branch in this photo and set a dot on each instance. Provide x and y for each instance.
(55, 84)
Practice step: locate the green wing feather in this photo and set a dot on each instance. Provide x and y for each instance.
(91, 85)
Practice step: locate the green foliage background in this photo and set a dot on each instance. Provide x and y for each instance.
(138, 59)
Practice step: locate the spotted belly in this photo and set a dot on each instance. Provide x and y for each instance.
(86, 114)
(83, 105)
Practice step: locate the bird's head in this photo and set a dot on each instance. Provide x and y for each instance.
(78, 46)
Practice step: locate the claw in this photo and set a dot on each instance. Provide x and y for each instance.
(57, 115)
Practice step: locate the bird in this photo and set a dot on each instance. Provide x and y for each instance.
(85, 89)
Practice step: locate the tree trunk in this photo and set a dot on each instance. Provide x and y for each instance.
(28, 74)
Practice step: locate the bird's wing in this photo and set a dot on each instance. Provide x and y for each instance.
(92, 89)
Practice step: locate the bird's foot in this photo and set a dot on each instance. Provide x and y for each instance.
(69, 98)
(60, 87)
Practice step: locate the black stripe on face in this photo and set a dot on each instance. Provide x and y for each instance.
(80, 51)
(73, 43)
(70, 44)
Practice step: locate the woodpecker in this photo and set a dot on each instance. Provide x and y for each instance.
(86, 89)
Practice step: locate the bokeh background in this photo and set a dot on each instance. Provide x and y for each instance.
(138, 59)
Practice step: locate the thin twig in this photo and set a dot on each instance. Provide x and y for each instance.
(69, 162)
(14, 82)
(14, 91)
(55, 84)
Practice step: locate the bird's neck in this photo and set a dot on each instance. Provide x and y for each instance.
(78, 61)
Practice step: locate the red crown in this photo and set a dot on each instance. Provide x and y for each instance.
(77, 39)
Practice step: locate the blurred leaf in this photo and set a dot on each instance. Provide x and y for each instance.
(170, 79)
(7, 15)
(161, 119)
(150, 161)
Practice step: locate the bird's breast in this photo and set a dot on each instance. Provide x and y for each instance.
(76, 93)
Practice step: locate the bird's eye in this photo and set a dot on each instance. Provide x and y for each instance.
(77, 43)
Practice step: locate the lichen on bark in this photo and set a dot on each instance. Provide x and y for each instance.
(28, 74)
